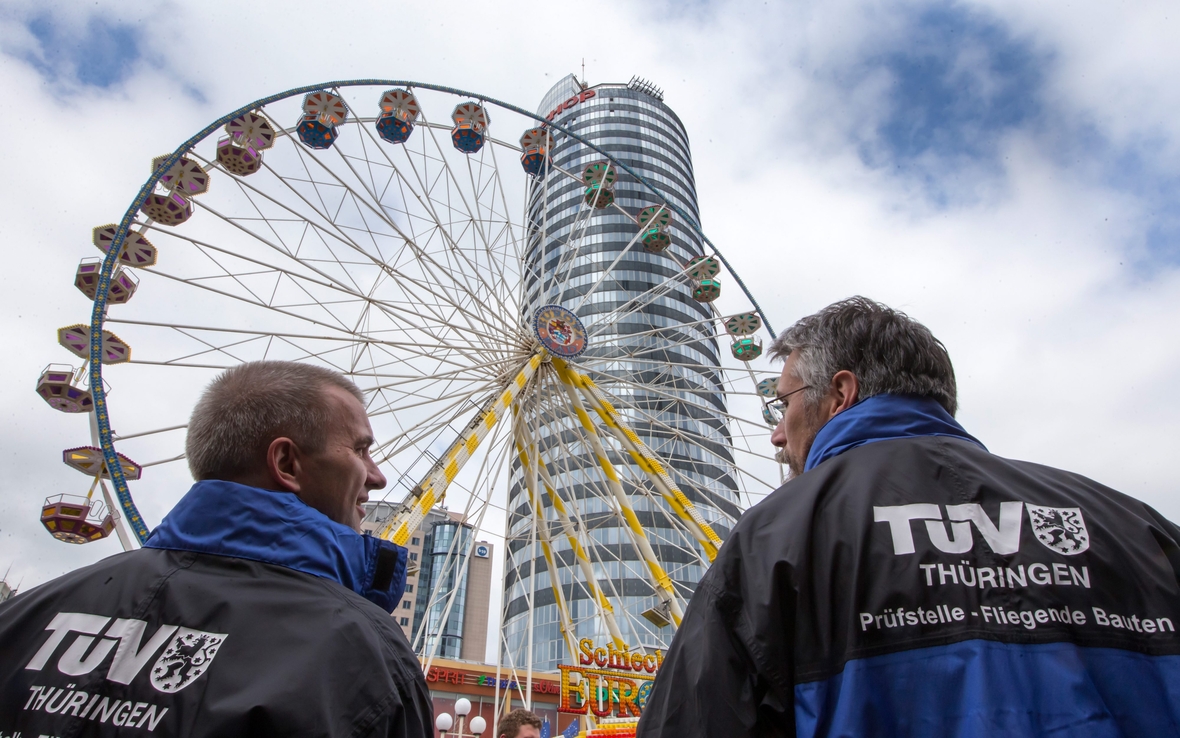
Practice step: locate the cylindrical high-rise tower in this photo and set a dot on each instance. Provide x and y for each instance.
(632, 124)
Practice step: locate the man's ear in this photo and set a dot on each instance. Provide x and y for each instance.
(283, 463)
(844, 391)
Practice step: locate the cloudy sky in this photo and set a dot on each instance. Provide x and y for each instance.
(1006, 172)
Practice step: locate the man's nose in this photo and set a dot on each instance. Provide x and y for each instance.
(376, 479)
(779, 436)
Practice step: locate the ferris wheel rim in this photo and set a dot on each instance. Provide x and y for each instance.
(98, 313)
(668, 535)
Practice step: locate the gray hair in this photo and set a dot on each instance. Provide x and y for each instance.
(249, 405)
(889, 352)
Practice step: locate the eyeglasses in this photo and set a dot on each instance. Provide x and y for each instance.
(774, 410)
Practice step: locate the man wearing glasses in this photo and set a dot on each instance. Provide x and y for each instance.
(906, 582)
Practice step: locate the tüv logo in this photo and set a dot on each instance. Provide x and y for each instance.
(186, 657)
(1060, 529)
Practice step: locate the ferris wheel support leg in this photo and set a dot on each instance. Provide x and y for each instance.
(432, 490)
(660, 579)
(605, 610)
(564, 619)
(647, 460)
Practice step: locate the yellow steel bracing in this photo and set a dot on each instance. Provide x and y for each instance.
(529, 469)
(605, 610)
(433, 487)
(646, 460)
(662, 582)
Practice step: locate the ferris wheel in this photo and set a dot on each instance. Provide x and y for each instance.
(513, 371)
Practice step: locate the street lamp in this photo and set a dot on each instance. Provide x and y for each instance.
(445, 722)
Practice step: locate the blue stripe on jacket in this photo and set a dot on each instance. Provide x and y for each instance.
(883, 418)
(985, 688)
(230, 519)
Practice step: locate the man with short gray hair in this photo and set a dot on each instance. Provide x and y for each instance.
(256, 608)
(906, 582)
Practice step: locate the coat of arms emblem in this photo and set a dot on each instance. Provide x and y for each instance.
(1060, 529)
(187, 657)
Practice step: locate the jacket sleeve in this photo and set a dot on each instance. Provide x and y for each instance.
(407, 712)
(711, 683)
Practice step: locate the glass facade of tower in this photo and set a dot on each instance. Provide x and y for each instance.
(443, 570)
(674, 385)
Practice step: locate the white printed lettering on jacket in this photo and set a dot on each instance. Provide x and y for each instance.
(1060, 529)
(187, 656)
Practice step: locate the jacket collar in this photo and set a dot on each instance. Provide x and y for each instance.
(229, 519)
(882, 418)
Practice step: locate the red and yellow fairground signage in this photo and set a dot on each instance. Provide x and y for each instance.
(608, 681)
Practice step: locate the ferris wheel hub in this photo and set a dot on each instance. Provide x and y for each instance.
(559, 331)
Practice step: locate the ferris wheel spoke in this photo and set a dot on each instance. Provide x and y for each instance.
(410, 400)
(471, 217)
(250, 193)
(418, 347)
(239, 298)
(679, 385)
(568, 256)
(423, 195)
(442, 227)
(466, 373)
(452, 411)
(308, 264)
(610, 270)
(635, 349)
(678, 327)
(706, 471)
(635, 304)
(393, 310)
(661, 513)
(530, 272)
(493, 188)
(419, 400)
(709, 410)
(707, 370)
(142, 434)
(146, 464)
(516, 256)
(418, 284)
(217, 348)
(444, 344)
(664, 447)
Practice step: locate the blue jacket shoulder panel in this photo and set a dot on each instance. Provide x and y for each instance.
(229, 519)
(883, 418)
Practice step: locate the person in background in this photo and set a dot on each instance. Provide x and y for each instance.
(520, 724)
(907, 582)
(256, 608)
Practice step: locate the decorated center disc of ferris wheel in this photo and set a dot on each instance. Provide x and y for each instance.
(559, 331)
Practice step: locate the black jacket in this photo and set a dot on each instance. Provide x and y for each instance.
(922, 586)
(176, 640)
